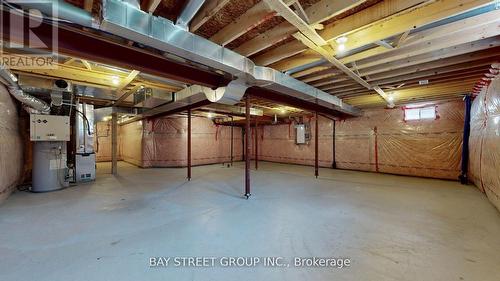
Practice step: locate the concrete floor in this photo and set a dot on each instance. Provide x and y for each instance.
(391, 227)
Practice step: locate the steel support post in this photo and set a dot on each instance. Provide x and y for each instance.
(247, 146)
(316, 146)
(256, 143)
(114, 143)
(189, 146)
(232, 140)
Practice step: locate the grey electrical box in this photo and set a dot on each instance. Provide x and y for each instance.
(49, 128)
(301, 134)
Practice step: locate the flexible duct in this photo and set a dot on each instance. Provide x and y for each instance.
(9, 80)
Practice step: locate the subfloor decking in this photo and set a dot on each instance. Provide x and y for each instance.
(391, 227)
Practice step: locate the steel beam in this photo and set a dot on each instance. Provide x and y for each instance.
(294, 102)
(105, 51)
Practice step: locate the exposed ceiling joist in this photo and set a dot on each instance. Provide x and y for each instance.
(441, 57)
(207, 11)
(125, 82)
(87, 5)
(150, 6)
(124, 94)
(453, 34)
(326, 9)
(321, 11)
(407, 20)
(300, 11)
(283, 10)
(242, 24)
(341, 27)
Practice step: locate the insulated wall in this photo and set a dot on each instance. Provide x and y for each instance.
(484, 142)
(380, 141)
(165, 142)
(102, 142)
(11, 145)
(130, 142)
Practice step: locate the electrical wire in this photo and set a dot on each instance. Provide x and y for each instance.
(87, 120)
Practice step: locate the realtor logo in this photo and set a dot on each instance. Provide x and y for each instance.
(29, 34)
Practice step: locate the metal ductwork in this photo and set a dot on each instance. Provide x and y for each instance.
(188, 13)
(10, 82)
(122, 19)
(63, 10)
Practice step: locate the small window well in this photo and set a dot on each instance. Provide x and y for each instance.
(422, 113)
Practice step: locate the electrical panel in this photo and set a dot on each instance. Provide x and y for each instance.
(49, 128)
(303, 133)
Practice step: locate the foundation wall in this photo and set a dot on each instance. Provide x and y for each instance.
(11, 145)
(379, 141)
(484, 142)
(165, 142)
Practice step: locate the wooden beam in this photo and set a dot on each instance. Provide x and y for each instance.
(441, 57)
(266, 39)
(130, 77)
(150, 6)
(207, 11)
(87, 5)
(402, 38)
(326, 9)
(460, 32)
(407, 20)
(86, 64)
(280, 53)
(300, 11)
(384, 44)
(320, 11)
(283, 10)
(356, 21)
(329, 57)
(122, 96)
(254, 16)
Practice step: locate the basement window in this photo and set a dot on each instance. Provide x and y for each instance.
(421, 113)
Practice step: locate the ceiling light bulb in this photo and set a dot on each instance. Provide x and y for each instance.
(390, 97)
(341, 40)
(115, 80)
(210, 115)
(341, 48)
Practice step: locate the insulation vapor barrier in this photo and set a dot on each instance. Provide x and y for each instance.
(484, 143)
(165, 142)
(162, 142)
(102, 142)
(380, 141)
(11, 145)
